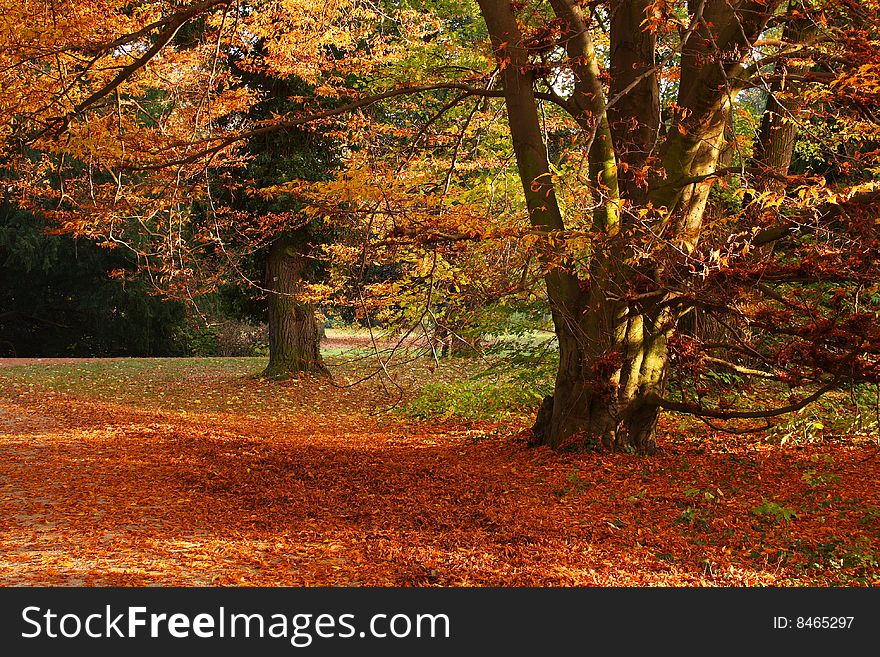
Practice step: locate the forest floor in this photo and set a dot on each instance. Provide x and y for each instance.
(193, 472)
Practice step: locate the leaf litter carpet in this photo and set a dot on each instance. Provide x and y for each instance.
(240, 482)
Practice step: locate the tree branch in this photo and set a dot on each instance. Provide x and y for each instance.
(174, 22)
(223, 142)
(826, 211)
(699, 411)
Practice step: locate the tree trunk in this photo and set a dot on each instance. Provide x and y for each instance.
(611, 364)
(294, 336)
(453, 338)
(779, 123)
(634, 119)
(613, 328)
(610, 375)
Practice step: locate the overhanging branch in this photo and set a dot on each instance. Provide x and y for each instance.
(219, 143)
(699, 411)
(171, 24)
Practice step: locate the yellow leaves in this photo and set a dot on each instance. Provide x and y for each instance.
(274, 191)
(767, 199)
(236, 99)
(315, 293)
(147, 13)
(306, 38)
(425, 265)
(342, 253)
(326, 91)
(743, 190)
(855, 190)
(645, 211)
(503, 58)
(661, 18)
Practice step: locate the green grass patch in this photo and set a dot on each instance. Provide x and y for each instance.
(477, 398)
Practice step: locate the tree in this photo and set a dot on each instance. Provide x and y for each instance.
(58, 297)
(288, 262)
(616, 323)
(185, 77)
(652, 90)
(294, 337)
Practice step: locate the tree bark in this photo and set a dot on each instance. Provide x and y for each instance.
(610, 362)
(634, 118)
(608, 382)
(779, 123)
(294, 335)
(613, 356)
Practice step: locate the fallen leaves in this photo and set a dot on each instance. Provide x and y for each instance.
(312, 487)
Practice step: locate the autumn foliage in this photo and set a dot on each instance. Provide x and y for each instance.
(672, 167)
(684, 194)
(263, 484)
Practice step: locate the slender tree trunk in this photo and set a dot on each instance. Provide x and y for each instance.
(294, 336)
(453, 337)
(452, 343)
(779, 123)
(634, 119)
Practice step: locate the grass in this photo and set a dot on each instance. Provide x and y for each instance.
(153, 382)
(492, 388)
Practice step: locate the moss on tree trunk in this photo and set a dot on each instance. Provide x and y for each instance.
(294, 335)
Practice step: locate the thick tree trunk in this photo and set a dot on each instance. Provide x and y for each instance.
(608, 383)
(612, 346)
(612, 365)
(294, 336)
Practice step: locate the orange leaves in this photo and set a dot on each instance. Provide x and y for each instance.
(309, 39)
(301, 484)
(661, 18)
(503, 58)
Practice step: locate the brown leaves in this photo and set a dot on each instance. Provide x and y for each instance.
(310, 488)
